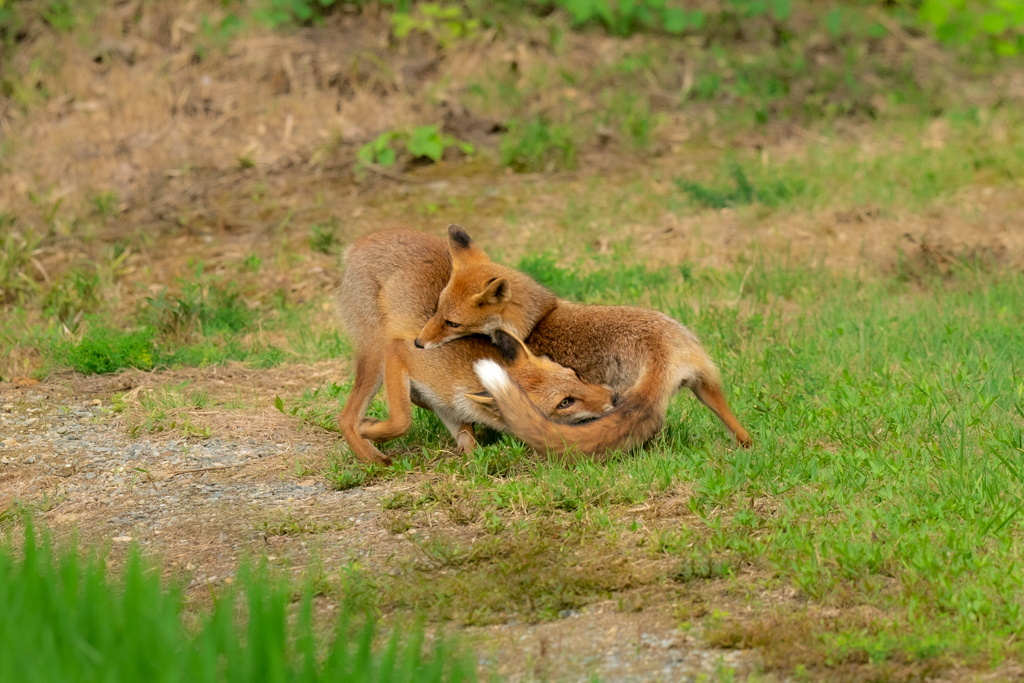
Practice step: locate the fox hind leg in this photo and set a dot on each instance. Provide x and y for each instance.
(367, 381)
(463, 432)
(396, 392)
(710, 394)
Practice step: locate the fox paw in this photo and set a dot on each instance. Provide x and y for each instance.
(466, 443)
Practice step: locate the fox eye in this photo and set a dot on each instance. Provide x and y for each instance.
(452, 325)
(566, 402)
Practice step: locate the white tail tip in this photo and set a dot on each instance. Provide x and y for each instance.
(492, 376)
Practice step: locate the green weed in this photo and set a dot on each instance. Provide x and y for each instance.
(105, 204)
(199, 308)
(535, 145)
(103, 349)
(421, 142)
(770, 193)
(16, 249)
(445, 25)
(323, 237)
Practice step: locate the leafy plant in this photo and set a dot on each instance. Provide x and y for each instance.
(444, 24)
(422, 142)
(428, 142)
(998, 24)
(379, 151)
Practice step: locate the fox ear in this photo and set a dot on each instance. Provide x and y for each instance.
(464, 252)
(482, 398)
(495, 291)
(512, 349)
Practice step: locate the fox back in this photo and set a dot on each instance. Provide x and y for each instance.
(391, 284)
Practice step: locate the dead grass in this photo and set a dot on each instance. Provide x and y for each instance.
(800, 643)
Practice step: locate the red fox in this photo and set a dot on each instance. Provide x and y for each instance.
(642, 355)
(389, 289)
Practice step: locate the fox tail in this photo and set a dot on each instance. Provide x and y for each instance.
(628, 426)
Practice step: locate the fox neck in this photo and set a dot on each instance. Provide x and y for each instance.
(529, 304)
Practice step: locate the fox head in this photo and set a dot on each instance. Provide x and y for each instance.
(476, 299)
(556, 390)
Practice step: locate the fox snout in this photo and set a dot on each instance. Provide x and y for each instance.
(429, 345)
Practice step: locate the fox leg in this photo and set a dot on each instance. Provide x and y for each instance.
(369, 368)
(396, 392)
(710, 394)
(464, 433)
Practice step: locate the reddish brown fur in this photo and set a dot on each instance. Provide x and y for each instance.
(390, 288)
(643, 355)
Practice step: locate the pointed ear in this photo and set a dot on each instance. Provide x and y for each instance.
(463, 251)
(495, 291)
(512, 350)
(482, 398)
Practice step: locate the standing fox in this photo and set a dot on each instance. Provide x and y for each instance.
(642, 355)
(389, 289)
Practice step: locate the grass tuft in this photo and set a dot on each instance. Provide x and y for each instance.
(535, 145)
(62, 618)
(770, 193)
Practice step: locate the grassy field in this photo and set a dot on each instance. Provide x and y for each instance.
(830, 197)
(884, 483)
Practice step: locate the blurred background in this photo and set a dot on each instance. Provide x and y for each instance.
(181, 169)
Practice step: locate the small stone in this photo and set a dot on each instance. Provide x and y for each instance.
(8, 407)
(122, 539)
(90, 475)
(190, 566)
(62, 430)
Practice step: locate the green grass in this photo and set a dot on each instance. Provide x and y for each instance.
(742, 192)
(203, 321)
(536, 145)
(887, 415)
(911, 171)
(63, 618)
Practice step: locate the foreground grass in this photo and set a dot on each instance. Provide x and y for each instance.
(885, 482)
(63, 619)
